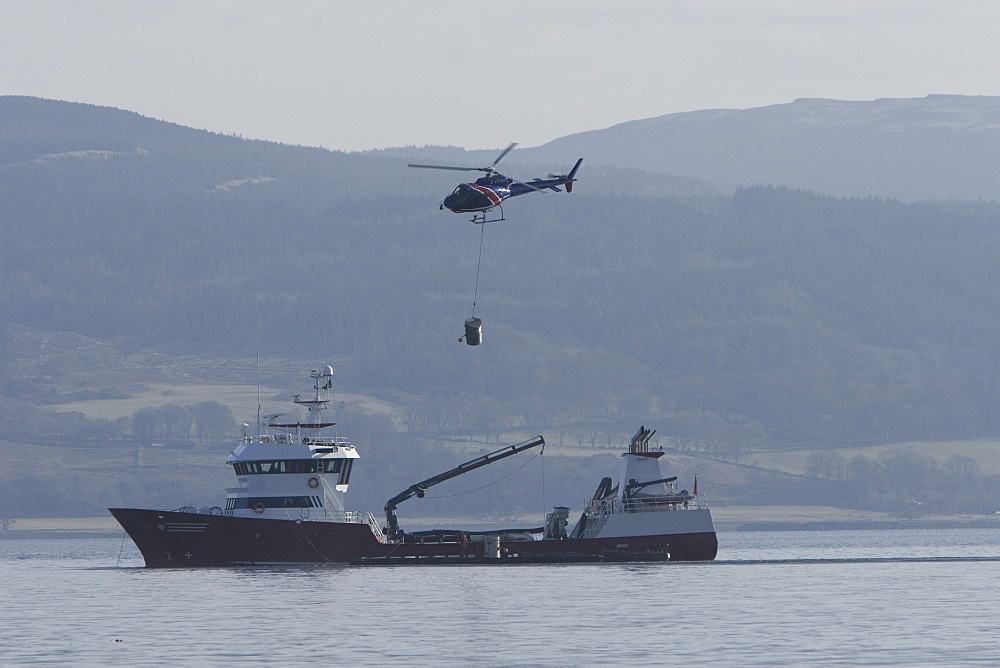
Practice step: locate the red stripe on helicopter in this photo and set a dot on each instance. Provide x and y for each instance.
(489, 193)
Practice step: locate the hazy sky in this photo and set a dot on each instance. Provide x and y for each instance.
(358, 75)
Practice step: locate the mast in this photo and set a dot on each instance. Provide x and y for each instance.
(322, 382)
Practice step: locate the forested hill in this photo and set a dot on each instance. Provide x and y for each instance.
(769, 314)
(935, 147)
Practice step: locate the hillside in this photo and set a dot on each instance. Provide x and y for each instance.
(794, 315)
(936, 147)
(769, 317)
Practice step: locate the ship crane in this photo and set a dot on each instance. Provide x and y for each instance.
(419, 489)
(634, 486)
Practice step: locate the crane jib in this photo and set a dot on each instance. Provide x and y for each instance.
(392, 524)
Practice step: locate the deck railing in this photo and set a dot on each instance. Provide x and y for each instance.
(326, 440)
(376, 528)
(639, 505)
(291, 437)
(356, 517)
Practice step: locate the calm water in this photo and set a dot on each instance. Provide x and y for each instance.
(902, 597)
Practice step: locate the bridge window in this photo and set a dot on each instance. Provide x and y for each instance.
(345, 474)
(331, 465)
(273, 502)
(284, 466)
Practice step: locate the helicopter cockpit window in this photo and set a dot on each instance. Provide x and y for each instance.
(459, 190)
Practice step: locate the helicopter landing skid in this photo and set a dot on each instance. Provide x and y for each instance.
(481, 219)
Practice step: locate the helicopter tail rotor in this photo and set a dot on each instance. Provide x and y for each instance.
(569, 178)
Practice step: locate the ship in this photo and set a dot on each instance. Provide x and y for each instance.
(288, 507)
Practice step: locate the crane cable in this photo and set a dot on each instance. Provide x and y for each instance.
(478, 265)
(490, 484)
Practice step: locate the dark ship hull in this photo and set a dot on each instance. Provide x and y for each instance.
(172, 539)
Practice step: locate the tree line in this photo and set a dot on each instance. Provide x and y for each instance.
(206, 424)
(909, 482)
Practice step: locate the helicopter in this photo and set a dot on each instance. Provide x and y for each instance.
(489, 191)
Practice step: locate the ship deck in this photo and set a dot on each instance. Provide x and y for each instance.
(514, 559)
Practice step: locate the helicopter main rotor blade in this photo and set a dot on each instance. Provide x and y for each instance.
(529, 185)
(488, 170)
(457, 169)
(503, 154)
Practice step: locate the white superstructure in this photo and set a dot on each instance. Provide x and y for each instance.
(290, 471)
(644, 502)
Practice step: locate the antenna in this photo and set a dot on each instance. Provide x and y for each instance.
(336, 413)
(258, 367)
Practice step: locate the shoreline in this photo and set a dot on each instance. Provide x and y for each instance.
(727, 520)
(986, 522)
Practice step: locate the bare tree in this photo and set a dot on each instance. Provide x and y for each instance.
(213, 422)
(828, 464)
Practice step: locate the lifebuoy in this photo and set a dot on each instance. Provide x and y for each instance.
(258, 508)
(313, 482)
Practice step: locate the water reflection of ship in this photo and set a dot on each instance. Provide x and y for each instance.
(288, 507)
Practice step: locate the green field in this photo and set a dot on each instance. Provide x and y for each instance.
(241, 400)
(986, 452)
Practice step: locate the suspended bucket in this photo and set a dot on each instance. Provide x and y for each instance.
(473, 331)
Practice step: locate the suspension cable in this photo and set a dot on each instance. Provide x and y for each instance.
(489, 484)
(478, 265)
